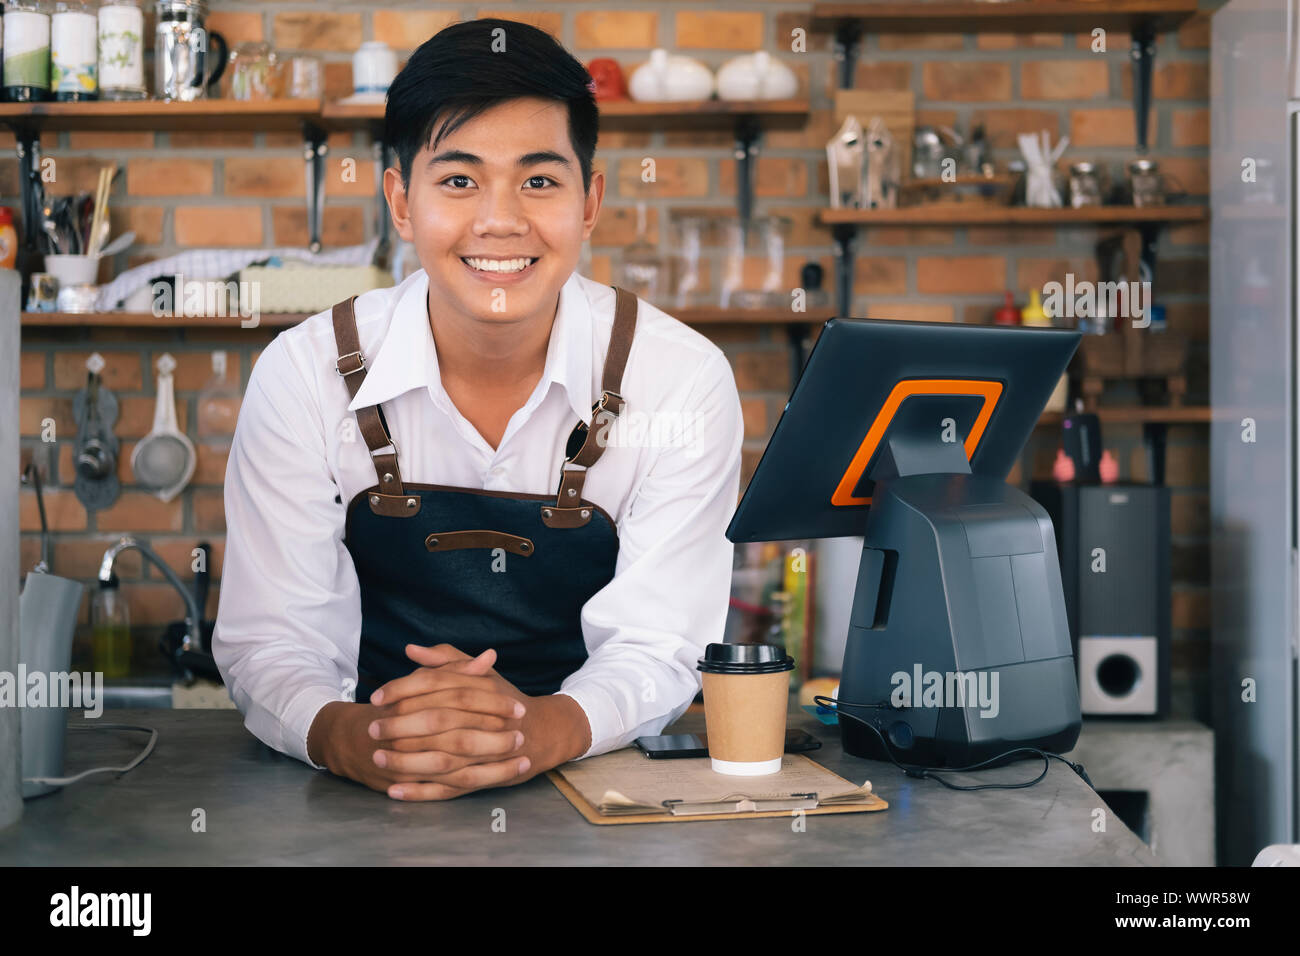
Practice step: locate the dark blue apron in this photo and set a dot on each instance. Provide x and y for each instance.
(473, 568)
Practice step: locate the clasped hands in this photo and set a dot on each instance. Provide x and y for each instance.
(451, 726)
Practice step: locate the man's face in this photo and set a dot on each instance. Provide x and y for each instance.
(497, 212)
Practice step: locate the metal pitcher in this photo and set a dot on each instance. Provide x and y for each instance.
(184, 64)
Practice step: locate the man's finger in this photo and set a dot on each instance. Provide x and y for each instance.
(458, 782)
(451, 751)
(447, 719)
(440, 654)
(422, 723)
(427, 680)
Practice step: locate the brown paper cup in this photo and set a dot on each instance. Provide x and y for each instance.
(744, 716)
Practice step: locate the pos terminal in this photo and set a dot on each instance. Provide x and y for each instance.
(904, 432)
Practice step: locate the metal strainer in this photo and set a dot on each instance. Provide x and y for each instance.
(163, 461)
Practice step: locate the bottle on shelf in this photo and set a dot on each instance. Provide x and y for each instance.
(121, 50)
(1007, 313)
(74, 51)
(110, 630)
(1032, 313)
(27, 51)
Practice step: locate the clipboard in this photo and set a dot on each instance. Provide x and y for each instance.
(629, 762)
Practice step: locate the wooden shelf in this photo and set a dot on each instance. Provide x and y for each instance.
(978, 215)
(621, 114)
(1142, 414)
(163, 116)
(146, 320)
(705, 315)
(1018, 16)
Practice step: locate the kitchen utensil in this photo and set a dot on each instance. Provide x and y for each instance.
(670, 78)
(1040, 159)
(1145, 184)
(218, 401)
(756, 76)
(163, 461)
(47, 618)
(690, 232)
(119, 244)
(105, 185)
(184, 65)
(95, 410)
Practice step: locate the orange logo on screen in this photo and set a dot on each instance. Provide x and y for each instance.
(989, 391)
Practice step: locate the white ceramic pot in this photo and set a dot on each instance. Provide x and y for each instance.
(756, 77)
(373, 67)
(670, 78)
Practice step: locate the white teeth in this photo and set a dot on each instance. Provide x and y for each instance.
(498, 265)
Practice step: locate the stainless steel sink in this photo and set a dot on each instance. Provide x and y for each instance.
(138, 692)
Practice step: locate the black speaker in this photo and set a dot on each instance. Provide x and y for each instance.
(1113, 542)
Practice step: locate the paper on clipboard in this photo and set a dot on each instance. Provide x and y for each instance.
(625, 782)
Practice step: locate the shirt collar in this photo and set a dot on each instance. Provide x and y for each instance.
(407, 357)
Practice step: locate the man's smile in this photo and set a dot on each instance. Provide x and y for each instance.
(496, 268)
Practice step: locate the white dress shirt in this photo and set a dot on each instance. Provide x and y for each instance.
(289, 621)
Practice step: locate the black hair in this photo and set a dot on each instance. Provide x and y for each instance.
(457, 74)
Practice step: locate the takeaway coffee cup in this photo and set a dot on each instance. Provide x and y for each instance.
(746, 693)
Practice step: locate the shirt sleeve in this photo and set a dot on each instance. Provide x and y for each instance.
(668, 598)
(290, 611)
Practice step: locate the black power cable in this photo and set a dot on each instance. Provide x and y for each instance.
(922, 773)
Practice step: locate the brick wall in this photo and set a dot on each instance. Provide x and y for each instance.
(245, 189)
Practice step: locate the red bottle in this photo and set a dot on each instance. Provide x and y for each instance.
(1008, 314)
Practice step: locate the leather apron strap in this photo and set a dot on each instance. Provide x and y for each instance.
(567, 512)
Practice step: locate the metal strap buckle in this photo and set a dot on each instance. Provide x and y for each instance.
(361, 364)
(383, 449)
(603, 404)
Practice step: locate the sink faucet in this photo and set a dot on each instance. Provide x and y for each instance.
(194, 615)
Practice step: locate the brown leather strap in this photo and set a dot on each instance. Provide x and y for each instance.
(351, 365)
(567, 510)
(455, 540)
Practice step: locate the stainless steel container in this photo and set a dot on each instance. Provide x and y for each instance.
(185, 62)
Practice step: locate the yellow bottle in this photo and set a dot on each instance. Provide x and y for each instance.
(1032, 313)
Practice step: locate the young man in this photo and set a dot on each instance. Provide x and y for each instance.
(424, 505)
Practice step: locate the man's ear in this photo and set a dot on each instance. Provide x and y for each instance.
(591, 210)
(395, 195)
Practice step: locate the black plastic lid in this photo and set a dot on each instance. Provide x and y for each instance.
(744, 659)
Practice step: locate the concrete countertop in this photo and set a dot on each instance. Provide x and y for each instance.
(264, 808)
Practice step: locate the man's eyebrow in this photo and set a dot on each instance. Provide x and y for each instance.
(543, 156)
(455, 156)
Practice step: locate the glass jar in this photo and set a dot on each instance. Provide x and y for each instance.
(121, 50)
(304, 78)
(1085, 185)
(74, 51)
(1144, 183)
(641, 270)
(254, 72)
(754, 264)
(27, 51)
(691, 232)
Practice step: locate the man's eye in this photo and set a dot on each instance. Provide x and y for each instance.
(539, 182)
(458, 182)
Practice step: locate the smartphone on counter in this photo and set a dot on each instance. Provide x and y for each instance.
(669, 746)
